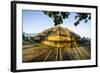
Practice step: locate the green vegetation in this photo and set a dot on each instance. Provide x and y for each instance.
(58, 17)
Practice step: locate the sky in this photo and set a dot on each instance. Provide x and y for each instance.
(36, 21)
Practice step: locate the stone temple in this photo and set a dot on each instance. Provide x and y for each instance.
(60, 37)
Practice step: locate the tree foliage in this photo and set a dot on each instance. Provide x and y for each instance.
(82, 17)
(58, 17)
(23, 36)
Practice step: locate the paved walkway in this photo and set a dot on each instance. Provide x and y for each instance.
(35, 54)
